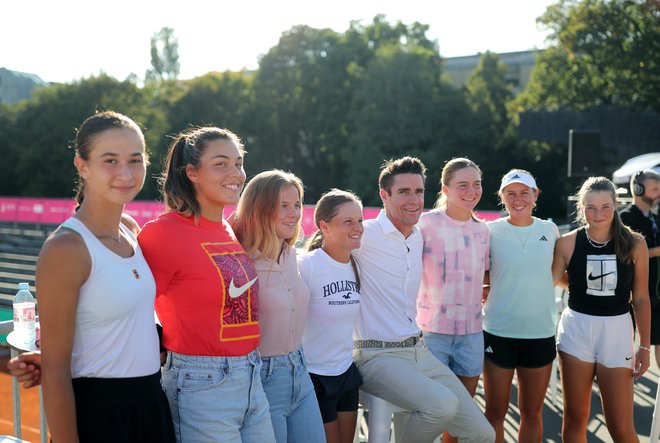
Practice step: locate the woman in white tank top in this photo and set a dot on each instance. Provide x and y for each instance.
(100, 360)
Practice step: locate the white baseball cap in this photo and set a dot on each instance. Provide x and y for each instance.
(517, 176)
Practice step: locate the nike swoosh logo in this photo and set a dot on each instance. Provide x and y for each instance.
(628, 358)
(237, 292)
(596, 277)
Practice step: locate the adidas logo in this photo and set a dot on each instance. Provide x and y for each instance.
(515, 176)
(489, 350)
(543, 238)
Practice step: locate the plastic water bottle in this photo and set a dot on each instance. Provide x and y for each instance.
(24, 316)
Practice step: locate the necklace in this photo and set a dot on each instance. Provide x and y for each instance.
(94, 229)
(594, 243)
(516, 228)
(522, 243)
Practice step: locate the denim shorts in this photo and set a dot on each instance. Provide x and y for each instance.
(217, 398)
(463, 354)
(294, 410)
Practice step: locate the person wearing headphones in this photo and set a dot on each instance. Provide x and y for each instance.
(639, 216)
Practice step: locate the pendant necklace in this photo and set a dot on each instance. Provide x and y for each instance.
(516, 228)
(523, 243)
(116, 238)
(594, 243)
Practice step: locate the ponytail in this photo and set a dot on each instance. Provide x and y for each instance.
(315, 241)
(354, 265)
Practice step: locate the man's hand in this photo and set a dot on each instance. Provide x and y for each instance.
(26, 368)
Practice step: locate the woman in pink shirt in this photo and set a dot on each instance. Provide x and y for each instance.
(455, 258)
(267, 223)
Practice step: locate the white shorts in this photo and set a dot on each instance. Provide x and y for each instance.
(606, 340)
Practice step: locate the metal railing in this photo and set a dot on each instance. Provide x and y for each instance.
(5, 328)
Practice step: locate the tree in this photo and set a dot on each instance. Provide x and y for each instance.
(9, 151)
(394, 111)
(488, 94)
(44, 130)
(164, 56)
(602, 52)
(302, 96)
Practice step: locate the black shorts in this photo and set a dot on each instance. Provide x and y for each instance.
(511, 353)
(131, 410)
(337, 393)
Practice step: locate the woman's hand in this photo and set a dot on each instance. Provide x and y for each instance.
(642, 361)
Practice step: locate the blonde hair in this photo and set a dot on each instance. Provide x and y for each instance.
(453, 165)
(254, 221)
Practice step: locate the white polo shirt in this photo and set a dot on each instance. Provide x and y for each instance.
(390, 272)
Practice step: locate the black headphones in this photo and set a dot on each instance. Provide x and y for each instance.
(637, 185)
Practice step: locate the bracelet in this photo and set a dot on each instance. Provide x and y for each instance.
(645, 348)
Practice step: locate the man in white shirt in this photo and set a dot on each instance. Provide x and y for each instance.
(389, 351)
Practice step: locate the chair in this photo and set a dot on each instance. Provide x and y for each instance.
(379, 422)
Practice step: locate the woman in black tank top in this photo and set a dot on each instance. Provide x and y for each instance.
(601, 262)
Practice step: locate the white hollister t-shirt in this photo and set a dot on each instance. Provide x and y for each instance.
(333, 307)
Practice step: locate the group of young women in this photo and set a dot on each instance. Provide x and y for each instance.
(237, 307)
(508, 325)
(233, 306)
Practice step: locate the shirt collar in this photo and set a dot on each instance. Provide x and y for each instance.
(388, 227)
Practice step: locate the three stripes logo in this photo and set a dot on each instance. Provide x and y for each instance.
(543, 238)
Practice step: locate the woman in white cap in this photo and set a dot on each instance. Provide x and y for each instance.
(520, 316)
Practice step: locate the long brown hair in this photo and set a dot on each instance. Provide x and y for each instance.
(254, 221)
(187, 149)
(325, 210)
(623, 237)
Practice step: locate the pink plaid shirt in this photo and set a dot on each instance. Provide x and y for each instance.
(455, 258)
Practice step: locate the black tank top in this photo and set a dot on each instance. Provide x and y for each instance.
(598, 282)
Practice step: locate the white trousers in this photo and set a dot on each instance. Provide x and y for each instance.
(413, 379)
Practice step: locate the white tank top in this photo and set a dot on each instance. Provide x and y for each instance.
(115, 333)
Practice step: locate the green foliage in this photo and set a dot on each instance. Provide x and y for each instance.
(332, 106)
(603, 52)
(302, 93)
(164, 56)
(9, 152)
(489, 93)
(393, 112)
(44, 130)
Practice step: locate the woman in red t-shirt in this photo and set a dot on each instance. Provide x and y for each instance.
(206, 294)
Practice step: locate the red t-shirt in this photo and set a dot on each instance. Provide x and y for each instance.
(206, 286)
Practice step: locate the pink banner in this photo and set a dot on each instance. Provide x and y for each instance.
(52, 211)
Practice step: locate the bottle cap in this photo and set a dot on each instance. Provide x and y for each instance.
(23, 286)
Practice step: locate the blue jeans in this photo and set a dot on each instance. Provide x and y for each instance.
(217, 399)
(294, 410)
(463, 354)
